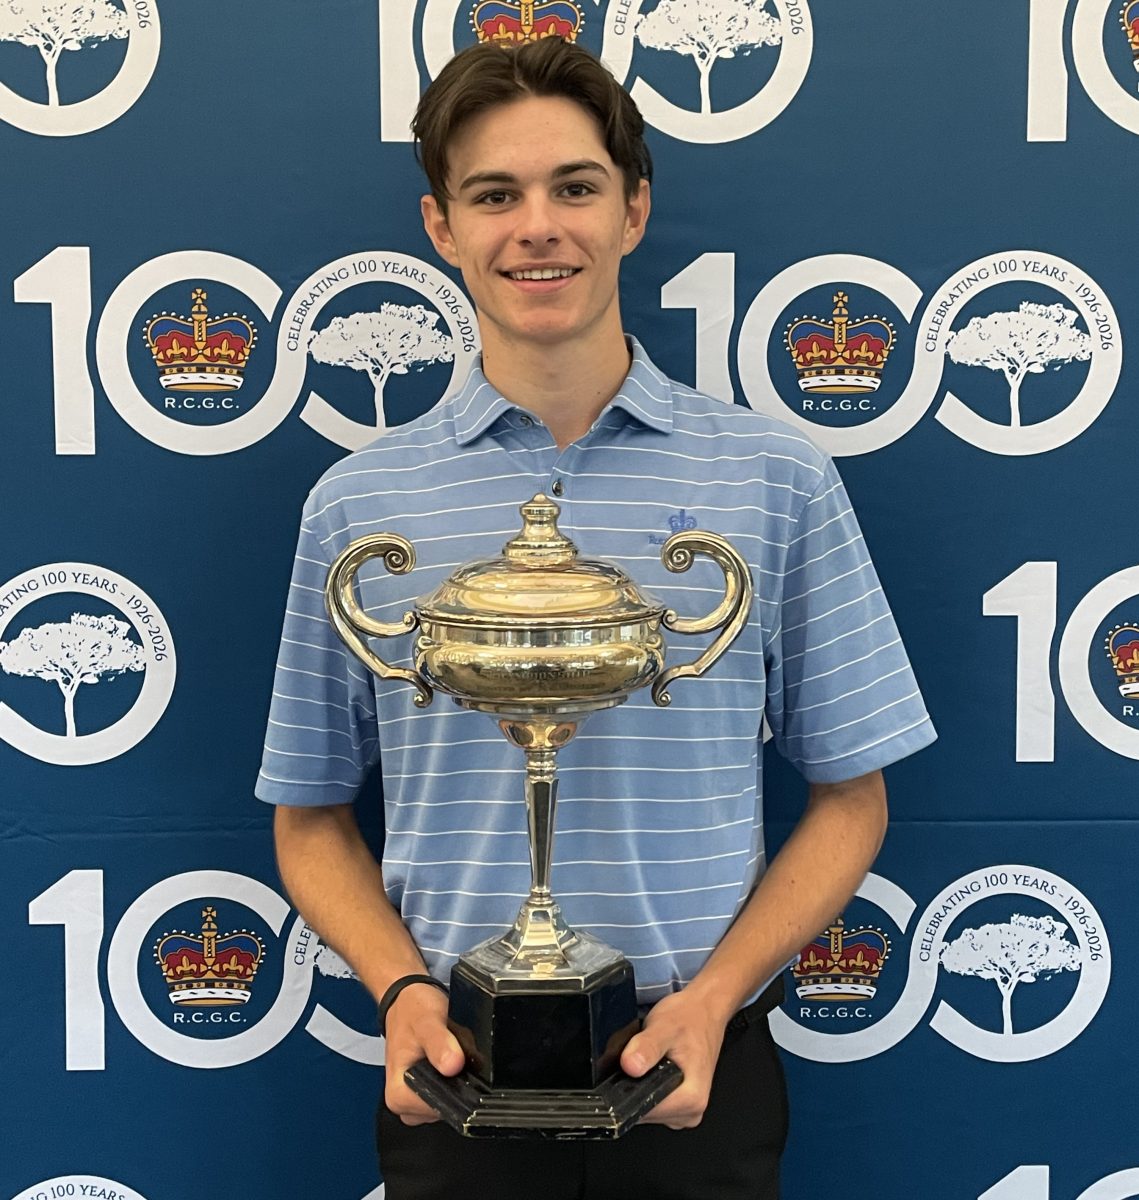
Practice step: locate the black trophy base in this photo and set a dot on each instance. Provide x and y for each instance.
(564, 1033)
(608, 1110)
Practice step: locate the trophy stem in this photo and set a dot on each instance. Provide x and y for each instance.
(541, 801)
(540, 934)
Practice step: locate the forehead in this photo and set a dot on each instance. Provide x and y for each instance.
(531, 136)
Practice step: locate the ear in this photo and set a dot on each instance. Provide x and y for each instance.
(435, 224)
(637, 210)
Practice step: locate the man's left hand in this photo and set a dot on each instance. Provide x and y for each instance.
(680, 1028)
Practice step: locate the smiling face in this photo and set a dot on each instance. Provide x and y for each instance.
(538, 223)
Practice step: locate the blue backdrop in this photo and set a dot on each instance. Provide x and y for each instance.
(960, 175)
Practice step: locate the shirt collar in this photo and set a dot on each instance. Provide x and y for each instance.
(645, 395)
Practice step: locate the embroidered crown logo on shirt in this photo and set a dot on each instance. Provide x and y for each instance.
(841, 965)
(205, 969)
(678, 522)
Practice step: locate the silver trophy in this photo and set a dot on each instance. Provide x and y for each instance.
(540, 638)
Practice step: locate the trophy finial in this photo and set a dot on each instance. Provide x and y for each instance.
(540, 542)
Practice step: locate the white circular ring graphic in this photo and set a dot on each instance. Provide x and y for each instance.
(759, 323)
(38, 1191)
(1122, 1185)
(119, 323)
(123, 967)
(1091, 63)
(752, 115)
(1056, 431)
(157, 683)
(437, 34)
(292, 360)
(846, 1047)
(85, 116)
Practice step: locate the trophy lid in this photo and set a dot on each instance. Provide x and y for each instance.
(538, 581)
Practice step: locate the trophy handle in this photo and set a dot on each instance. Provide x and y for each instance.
(349, 619)
(731, 613)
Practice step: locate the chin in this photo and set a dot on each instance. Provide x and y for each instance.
(546, 332)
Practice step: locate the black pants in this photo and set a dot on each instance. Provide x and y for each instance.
(733, 1154)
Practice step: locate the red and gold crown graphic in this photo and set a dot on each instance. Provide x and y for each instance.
(206, 969)
(1122, 646)
(840, 356)
(200, 353)
(840, 966)
(509, 21)
(1129, 19)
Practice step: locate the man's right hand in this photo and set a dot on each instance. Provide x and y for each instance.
(416, 1027)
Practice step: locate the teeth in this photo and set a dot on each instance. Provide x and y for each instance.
(544, 273)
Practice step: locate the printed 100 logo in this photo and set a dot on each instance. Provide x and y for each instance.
(775, 39)
(187, 993)
(1018, 313)
(193, 996)
(198, 383)
(183, 379)
(755, 52)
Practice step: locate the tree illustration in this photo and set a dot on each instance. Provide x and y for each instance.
(52, 26)
(1022, 951)
(1020, 343)
(383, 343)
(85, 649)
(708, 30)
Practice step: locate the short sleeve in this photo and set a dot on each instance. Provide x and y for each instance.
(321, 739)
(842, 699)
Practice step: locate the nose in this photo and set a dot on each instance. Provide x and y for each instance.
(538, 223)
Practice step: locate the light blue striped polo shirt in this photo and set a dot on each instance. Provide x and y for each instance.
(660, 816)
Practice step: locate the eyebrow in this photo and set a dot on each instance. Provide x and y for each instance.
(560, 172)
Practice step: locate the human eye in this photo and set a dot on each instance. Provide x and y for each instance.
(494, 198)
(578, 189)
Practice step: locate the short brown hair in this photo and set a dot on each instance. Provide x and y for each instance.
(487, 75)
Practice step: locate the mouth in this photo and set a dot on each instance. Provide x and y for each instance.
(543, 273)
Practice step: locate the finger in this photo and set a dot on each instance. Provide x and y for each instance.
(643, 1051)
(405, 1104)
(443, 1051)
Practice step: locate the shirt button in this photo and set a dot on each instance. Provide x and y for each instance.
(526, 420)
(557, 487)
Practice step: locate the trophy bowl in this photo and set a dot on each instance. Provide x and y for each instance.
(539, 638)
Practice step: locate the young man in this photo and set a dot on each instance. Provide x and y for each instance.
(539, 187)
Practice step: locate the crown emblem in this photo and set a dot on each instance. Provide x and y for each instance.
(680, 521)
(840, 356)
(840, 965)
(509, 21)
(207, 969)
(200, 353)
(1129, 19)
(1122, 646)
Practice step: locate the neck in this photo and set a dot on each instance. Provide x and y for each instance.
(565, 386)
